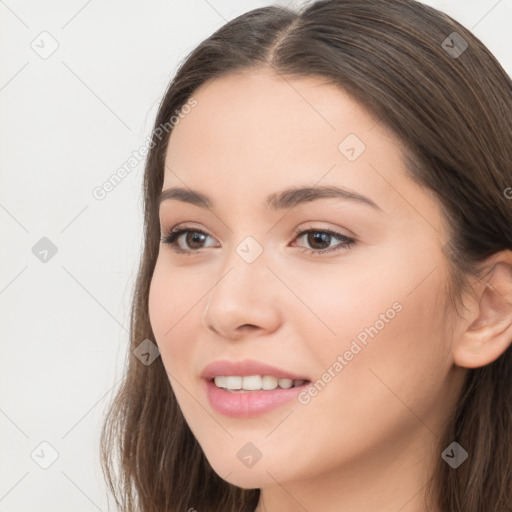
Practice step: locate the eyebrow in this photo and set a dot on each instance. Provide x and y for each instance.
(277, 201)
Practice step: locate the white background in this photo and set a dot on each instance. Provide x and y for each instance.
(68, 123)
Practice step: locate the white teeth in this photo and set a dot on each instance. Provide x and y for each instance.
(251, 383)
(234, 382)
(285, 383)
(220, 382)
(268, 382)
(255, 382)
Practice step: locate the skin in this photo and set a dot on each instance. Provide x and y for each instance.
(367, 440)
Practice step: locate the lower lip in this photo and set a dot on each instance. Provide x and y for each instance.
(250, 403)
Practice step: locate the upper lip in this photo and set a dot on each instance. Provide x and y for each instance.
(245, 368)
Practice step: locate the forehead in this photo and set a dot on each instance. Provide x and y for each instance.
(255, 132)
(264, 112)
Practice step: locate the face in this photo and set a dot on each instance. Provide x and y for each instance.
(352, 304)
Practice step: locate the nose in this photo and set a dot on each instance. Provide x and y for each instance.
(244, 300)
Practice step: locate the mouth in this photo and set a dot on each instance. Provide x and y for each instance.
(248, 387)
(249, 403)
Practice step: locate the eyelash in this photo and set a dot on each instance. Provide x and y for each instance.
(173, 234)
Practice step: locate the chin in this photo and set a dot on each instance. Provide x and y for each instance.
(262, 473)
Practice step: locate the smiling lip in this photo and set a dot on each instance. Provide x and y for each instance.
(248, 403)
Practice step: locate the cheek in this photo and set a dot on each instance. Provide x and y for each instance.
(173, 294)
(394, 298)
(340, 303)
(377, 341)
(175, 305)
(170, 305)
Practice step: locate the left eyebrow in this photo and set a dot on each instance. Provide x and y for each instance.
(277, 201)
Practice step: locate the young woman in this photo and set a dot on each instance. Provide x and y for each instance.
(327, 273)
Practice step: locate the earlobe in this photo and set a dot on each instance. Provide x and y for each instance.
(489, 334)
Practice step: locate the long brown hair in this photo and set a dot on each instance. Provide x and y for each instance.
(449, 101)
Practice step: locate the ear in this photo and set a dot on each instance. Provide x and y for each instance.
(489, 333)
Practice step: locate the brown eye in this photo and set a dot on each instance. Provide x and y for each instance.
(192, 238)
(320, 239)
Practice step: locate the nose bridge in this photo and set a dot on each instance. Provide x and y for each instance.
(244, 271)
(245, 291)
